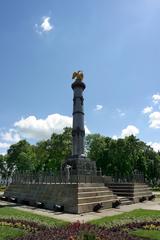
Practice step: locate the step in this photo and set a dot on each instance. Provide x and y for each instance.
(125, 201)
(130, 186)
(133, 194)
(80, 185)
(88, 207)
(123, 190)
(120, 184)
(95, 199)
(90, 189)
(142, 189)
(130, 190)
(142, 195)
(95, 193)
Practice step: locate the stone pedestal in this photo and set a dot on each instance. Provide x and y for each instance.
(82, 166)
(75, 197)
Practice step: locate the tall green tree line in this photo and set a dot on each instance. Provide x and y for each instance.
(119, 158)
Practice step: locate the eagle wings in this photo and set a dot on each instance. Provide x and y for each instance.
(78, 75)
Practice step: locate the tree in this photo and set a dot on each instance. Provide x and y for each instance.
(118, 158)
(42, 155)
(60, 148)
(2, 166)
(96, 148)
(21, 156)
(51, 154)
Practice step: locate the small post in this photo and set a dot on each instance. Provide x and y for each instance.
(68, 169)
(100, 171)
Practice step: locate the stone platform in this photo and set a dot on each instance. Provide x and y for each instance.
(75, 197)
(133, 191)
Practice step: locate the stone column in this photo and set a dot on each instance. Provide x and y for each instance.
(78, 132)
(80, 165)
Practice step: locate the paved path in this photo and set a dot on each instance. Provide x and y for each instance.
(152, 205)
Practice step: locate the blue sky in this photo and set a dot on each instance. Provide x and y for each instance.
(115, 43)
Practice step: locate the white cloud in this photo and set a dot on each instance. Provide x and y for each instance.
(38, 129)
(44, 26)
(98, 107)
(120, 112)
(147, 110)
(156, 98)
(154, 120)
(4, 145)
(155, 146)
(115, 137)
(129, 130)
(10, 136)
(3, 153)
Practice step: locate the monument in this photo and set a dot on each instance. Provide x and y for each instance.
(79, 163)
(78, 189)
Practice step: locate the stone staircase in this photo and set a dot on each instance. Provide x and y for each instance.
(131, 191)
(90, 194)
(125, 201)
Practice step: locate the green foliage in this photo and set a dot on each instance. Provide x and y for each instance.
(51, 154)
(87, 236)
(120, 158)
(7, 232)
(45, 156)
(10, 212)
(21, 156)
(128, 217)
(148, 234)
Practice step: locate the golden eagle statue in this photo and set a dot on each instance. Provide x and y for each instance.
(78, 75)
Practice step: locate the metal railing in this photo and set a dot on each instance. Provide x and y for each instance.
(134, 178)
(61, 177)
(54, 178)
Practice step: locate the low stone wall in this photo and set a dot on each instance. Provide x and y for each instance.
(48, 194)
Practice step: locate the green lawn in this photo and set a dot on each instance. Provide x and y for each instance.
(138, 214)
(10, 212)
(7, 232)
(149, 234)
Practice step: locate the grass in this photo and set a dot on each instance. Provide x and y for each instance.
(10, 212)
(7, 232)
(149, 234)
(138, 214)
(2, 188)
(135, 215)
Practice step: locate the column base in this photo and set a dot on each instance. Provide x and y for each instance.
(81, 165)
